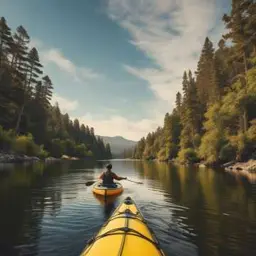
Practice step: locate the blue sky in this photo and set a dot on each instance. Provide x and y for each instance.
(117, 65)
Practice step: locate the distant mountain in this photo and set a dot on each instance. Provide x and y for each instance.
(118, 144)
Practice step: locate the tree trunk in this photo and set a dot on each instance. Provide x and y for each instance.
(245, 62)
(245, 120)
(19, 118)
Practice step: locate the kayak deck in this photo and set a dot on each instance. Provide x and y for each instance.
(125, 233)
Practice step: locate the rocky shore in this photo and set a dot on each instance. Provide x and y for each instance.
(14, 158)
(249, 166)
(246, 169)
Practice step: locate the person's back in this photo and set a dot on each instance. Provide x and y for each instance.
(108, 177)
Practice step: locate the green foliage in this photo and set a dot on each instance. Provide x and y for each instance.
(25, 145)
(57, 148)
(227, 153)
(81, 150)
(43, 153)
(6, 139)
(216, 112)
(25, 96)
(187, 155)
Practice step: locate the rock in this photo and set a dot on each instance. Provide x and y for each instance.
(52, 159)
(228, 164)
(12, 158)
(65, 157)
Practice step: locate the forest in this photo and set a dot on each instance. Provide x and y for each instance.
(29, 124)
(214, 118)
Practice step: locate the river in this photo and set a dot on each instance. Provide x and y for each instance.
(45, 209)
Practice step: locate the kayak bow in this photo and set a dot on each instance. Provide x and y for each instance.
(125, 233)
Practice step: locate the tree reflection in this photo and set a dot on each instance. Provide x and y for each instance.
(221, 212)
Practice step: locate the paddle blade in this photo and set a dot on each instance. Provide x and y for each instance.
(137, 182)
(89, 183)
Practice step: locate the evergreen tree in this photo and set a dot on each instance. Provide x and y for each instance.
(5, 40)
(206, 81)
(178, 102)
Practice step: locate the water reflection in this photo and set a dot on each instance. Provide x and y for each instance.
(220, 213)
(47, 210)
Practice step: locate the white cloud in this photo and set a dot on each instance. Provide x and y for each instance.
(65, 105)
(118, 125)
(56, 57)
(169, 32)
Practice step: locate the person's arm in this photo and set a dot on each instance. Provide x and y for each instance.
(118, 177)
(101, 176)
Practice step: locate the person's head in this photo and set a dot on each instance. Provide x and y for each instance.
(109, 167)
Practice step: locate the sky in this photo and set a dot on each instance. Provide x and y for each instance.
(117, 65)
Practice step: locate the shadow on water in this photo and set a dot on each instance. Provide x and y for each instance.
(108, 204)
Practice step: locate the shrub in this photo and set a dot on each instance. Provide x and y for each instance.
(161, 155)
(25, 145)
(81, 150)
(6, 139)
(57, 147)
(188, 155)
(227, 153)
(43, 153)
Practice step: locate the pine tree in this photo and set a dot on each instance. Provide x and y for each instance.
(250, 26)
(19, 50)
(47, 90)
(5, 40)
(178, 102)
(33, 70)
(240, 33)
(191, 115)
(185, 86)
(206, 81)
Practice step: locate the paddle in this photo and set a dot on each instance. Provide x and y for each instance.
(137, 182)
(89, 183)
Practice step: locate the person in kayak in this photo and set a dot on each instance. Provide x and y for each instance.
(108, 177)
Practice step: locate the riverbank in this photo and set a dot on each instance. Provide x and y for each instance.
(245, 169)
(15, 158)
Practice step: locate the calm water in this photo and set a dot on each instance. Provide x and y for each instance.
(47, 209)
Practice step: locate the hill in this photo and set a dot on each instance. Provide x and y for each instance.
(118, 144)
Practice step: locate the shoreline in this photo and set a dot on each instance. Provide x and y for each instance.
(244, 169)
(7, 158)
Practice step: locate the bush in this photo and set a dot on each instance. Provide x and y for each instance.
(89, 153)
(161, 155)
(25, 145)
(43, 153)
(6, 139)
(81, 150)
(188, 155)
(171, 151)
(227, 153)
(57, 148)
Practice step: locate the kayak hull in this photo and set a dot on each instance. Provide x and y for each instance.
(125, 233)
(107, 191)
(106, 200)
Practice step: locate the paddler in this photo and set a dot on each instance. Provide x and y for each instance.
(108, 177)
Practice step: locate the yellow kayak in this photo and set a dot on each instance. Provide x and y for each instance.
(125, 233)
(100, 189)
